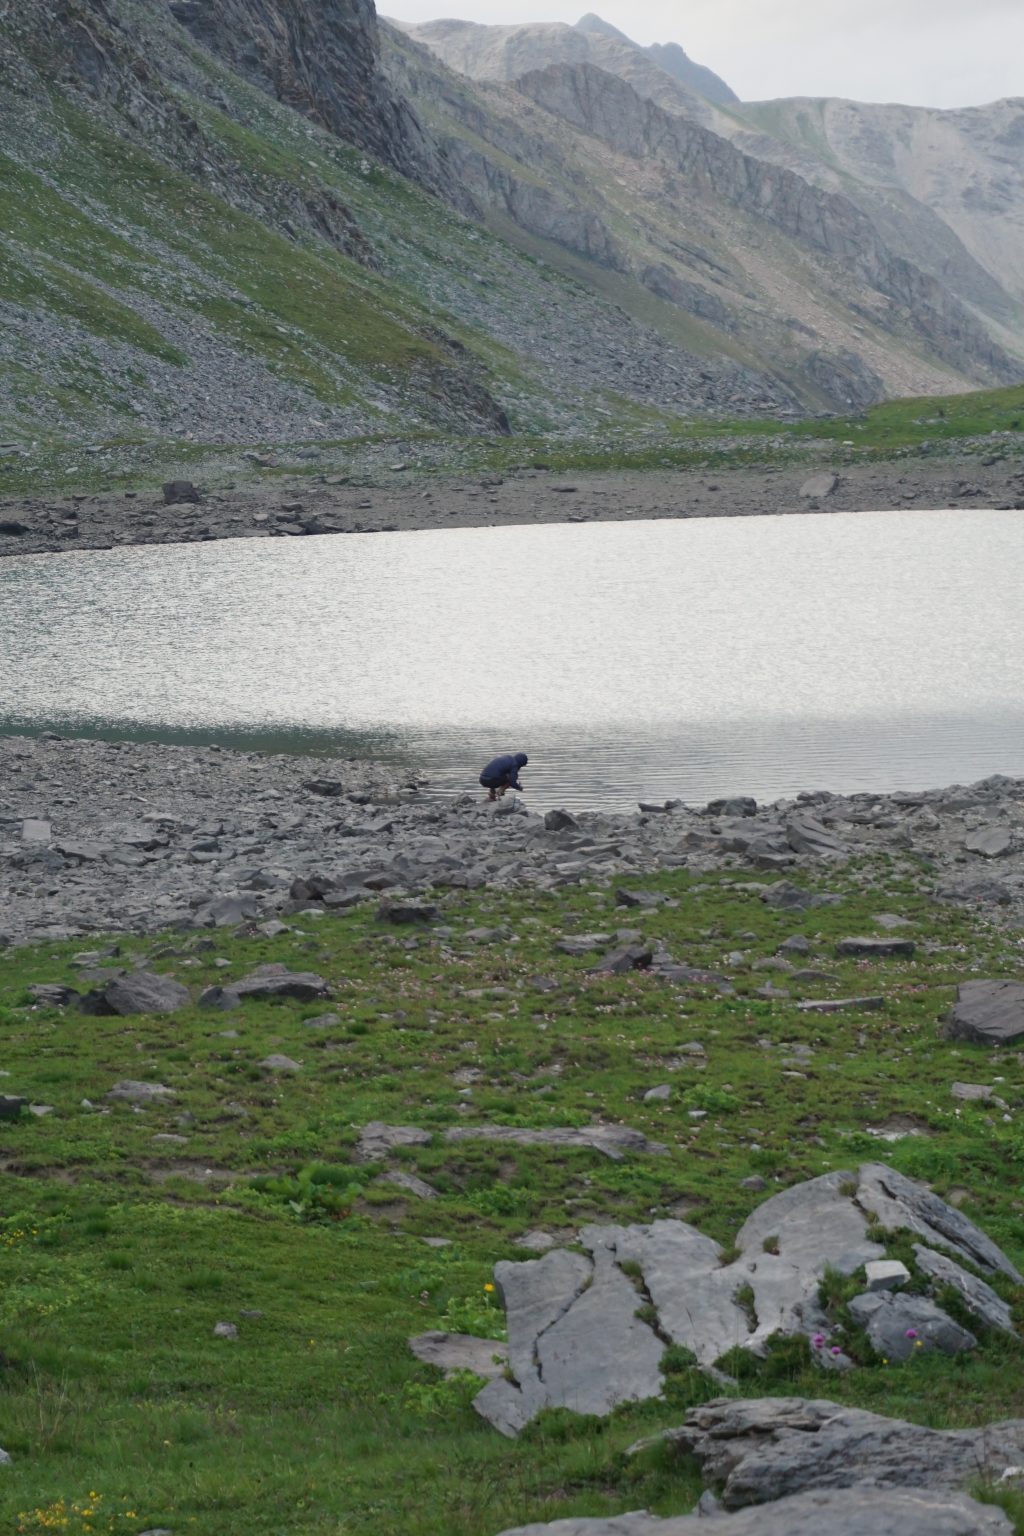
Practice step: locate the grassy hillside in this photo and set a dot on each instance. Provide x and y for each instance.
(128, 1235)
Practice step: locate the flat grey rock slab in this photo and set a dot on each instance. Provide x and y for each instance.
(35, 831)
(461, 1352)
(132, 1092)
(574, 1340)
(990, 842)
(808, 836)
(408, 1182)
(840, 1004)
(583, 943)
(972, 1093)
(613, 1140)
(565, 1311)
(871, 948)
(762, 1449)
(377, 1139)
(272, 981)
(786, 897)
(987, 1013)
(693, 1293)
(979, 1298)
(828, 1512)
(976, 892)
(900, 1325)
(138, 992)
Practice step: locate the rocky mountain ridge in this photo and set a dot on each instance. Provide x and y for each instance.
(937, 191)
(254, 221)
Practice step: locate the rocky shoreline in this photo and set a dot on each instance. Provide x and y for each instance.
(407, 500)
(116, 836)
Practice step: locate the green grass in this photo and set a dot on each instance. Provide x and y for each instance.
(121, 1252)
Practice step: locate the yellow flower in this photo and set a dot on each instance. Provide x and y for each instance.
(488, 1286)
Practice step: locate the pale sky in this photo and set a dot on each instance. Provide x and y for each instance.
(937, 53)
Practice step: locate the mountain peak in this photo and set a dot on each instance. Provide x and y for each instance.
(592, 23)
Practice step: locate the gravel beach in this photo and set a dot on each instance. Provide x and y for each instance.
(126, 836)
(408, 500)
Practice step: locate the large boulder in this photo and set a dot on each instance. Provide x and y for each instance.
(834, 1512)
(897, 1326)
(137, 992)
(264, 984)
(987, 1012)
(762, 1449)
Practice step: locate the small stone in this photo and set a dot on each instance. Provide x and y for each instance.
(225, 1331)
(535, 1241)
(971, 1093)
(179, 491)
(405, 912)
(659, 1094)
(886, 1274)
(278, 1063)
(559, 821)
(819, 486)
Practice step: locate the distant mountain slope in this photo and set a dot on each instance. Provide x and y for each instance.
(267, 220)
(762, 262)
(207, 235)
(947, 187)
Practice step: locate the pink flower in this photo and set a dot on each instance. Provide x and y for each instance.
(818, 1340)
(911, 1333)
(836, 1350)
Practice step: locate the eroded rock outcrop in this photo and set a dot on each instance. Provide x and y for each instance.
(764, 1449)
(576, 1339)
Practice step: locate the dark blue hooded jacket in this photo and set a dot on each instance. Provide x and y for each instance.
(504, 770)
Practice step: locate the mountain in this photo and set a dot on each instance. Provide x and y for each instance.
(771, 265)
(945, 188)
(280, 220)
(493, 53)
(669, 57)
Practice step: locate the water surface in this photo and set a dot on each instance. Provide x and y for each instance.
(630, 660)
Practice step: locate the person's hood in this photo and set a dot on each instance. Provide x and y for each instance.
(521, 759)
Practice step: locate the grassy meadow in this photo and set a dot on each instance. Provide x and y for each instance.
(128, 1234)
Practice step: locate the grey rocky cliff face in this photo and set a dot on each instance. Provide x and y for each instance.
(608, 108)
(93, 49)
(321, 57)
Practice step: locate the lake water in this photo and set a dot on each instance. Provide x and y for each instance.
(629, 660)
